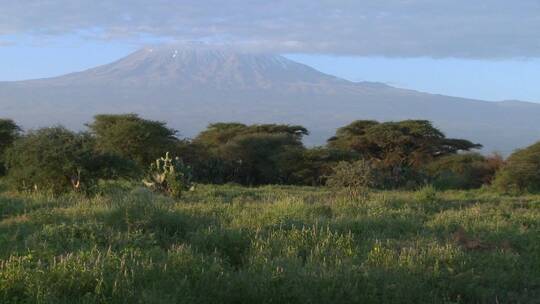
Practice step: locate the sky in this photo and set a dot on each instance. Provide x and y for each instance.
(479, 49)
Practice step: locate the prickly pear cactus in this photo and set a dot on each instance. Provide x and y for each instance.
(169, 176)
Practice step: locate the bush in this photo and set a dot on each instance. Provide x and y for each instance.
(58, 160)
(316, 165)
(521, 172)
(52, 159)
(355, 178)
(109, 166)
(463, 171)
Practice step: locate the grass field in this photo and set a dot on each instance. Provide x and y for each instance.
(229, 244)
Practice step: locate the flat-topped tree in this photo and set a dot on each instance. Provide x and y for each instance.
(398, 146)
(249, 154)
(410, 142)
(222, 132)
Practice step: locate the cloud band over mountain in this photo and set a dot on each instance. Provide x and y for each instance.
(395, 28)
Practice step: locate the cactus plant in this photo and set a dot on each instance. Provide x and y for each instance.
(169, 176)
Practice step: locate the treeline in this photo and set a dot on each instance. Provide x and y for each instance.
(383, 155)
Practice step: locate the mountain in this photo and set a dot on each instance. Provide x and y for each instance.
(191, 86)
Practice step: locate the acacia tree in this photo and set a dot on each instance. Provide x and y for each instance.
(398, 148)
(218, 134)
(249, 154)
(132, 137)
(262, 158)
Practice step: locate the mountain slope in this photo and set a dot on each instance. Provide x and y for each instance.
(190, 87)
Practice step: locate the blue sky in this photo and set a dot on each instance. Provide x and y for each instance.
(479, 49)
(493, 80)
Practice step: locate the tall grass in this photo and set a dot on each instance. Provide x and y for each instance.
(228, 244)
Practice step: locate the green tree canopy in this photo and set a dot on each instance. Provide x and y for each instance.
(410, 142)
(463, 171)
(52, 159)
(521, 172)
(262, 158)
(247, 154)
(221, 133)
(317, 163)
(132, 137)
(398, 149)
(347, 136)
(57, 160)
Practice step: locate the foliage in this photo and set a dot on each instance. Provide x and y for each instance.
(521, 172)
(463, 171)
(316, 164)
(9, 131)
(132, 137)
(398, 148)
(247, 154)
(401, 153)
(108, 166)
(50, 159)
(208, 166)
(169, 176)
(347, 136)
(411, 142)
(219, 134)
(57, 160)
(262, 158)
(355, 178)
(273, 244)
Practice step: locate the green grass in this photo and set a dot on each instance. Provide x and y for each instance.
(228, 244)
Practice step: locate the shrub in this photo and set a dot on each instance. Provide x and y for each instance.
(355, 178)
(317, 164)
(521, 172)
(109, 166)
(463, 171)
(168, 176)
(52, 159)
(58, 160)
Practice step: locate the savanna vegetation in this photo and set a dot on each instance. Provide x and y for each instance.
(400, 155)
(385, 212)
(270, 244)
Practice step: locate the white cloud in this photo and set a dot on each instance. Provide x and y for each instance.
(402, 28)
